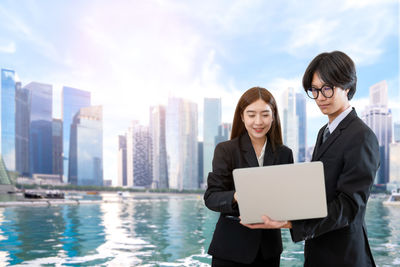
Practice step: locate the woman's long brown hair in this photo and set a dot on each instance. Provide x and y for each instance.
(274, 135)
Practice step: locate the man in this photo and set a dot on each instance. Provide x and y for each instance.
(349, 151)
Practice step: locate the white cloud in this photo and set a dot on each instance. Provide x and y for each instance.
(360, 104)
(8, 48)
(361, 38)
(22, 31)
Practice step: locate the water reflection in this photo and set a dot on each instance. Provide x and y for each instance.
(168, 230)
(84, 230)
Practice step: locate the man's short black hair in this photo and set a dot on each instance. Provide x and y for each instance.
(335, 68)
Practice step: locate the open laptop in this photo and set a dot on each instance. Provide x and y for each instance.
(283, 192)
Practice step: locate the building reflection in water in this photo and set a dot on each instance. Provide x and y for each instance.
(121, 245)
(152, 230)
(5, 235)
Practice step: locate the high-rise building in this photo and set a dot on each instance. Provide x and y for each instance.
(181, 140)
(378, 94)
(301, 113)
(72, 100)
(379, 118)
(200, 183)
(211, 121)
(139, 159)
(7, 118)
(290, 125)
(22, 122)
(224, 132)
(159, 150)
(395, 164)
(309, 153)
(396, 132)
(86, 147)
(57, 148)
(40, 128)
(5, 179)
(122, 175)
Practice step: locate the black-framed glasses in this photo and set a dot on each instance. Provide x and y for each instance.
(326, 90)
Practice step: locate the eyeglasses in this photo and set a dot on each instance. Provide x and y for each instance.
(326, 90)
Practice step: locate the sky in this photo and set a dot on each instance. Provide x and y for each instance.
(133, 54)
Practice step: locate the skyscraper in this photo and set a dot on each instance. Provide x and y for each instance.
(301, 113)
(290, 123)
(396, 131)
(211, 121)
(5, 180)
(57, 148)
(122, 175)
(200, 164)
(379, 118)
(22, 122)
(72, 100)
(181, 140)
(40, 128)
(224, 132)
(86, 147)
(394, 172)
(159, 150)
(7, 118)
(139, 159)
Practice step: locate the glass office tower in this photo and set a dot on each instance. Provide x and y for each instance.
(290, 122)
(159, 151)
(378, 117)
(181, 140)
(7, 118)
(86, 147)
(57, 148)
(122, 175)
(211, 121)
(72, 100)
(22, 122)
(301, 112)
(41, 128)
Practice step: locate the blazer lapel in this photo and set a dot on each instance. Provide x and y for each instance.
(248, 150)
(336, 133)
(318, 143)
(268, 155)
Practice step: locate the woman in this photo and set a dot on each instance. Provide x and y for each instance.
(256, 140)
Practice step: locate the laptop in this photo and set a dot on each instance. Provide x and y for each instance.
(282, 192)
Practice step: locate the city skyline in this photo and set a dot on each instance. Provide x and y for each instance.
(133, 55)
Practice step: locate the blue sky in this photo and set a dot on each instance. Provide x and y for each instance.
(133, 54)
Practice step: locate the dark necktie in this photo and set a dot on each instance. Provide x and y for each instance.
(326, 134)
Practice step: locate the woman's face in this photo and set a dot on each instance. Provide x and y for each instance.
(257, 118)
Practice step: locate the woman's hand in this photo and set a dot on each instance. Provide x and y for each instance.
(269, 224)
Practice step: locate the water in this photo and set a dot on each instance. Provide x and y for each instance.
(147, 230)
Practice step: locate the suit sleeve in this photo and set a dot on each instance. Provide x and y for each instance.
(219, 194)
(361, 160)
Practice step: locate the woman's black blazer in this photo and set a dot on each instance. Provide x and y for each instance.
(231, 240)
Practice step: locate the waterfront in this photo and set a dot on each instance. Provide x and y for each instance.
(148, 230)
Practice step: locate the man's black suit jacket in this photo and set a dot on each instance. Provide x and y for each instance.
(351, 158)
(231, 240)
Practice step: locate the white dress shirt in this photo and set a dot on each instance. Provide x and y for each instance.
(332, 126)
(261, 157)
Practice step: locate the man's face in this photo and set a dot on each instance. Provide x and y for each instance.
(330, 106)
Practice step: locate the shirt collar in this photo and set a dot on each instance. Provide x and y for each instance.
(261, 157)
(332, 126)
